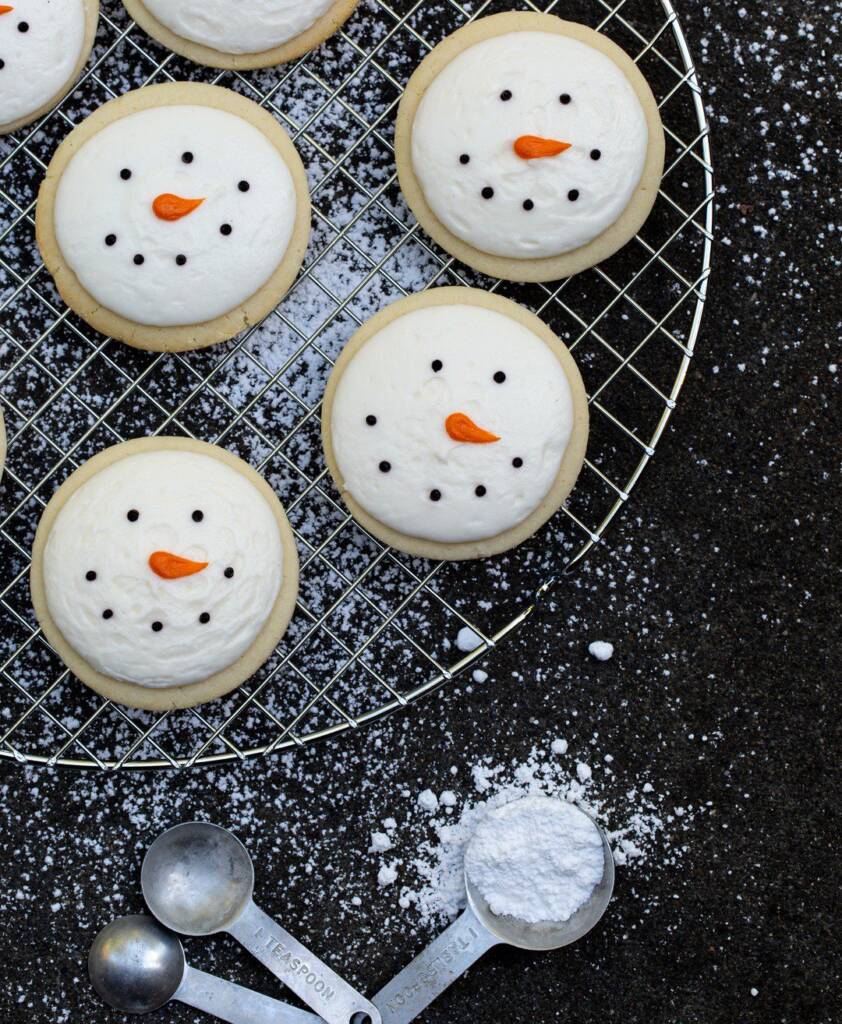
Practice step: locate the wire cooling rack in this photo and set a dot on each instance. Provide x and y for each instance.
(373, 629)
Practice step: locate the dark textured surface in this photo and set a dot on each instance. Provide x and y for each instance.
(724, 571)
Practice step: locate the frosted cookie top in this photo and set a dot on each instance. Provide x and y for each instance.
(40, 45)
(175, 215)
(248, 26)
(529, 144)
(450, 423)
(162, 569)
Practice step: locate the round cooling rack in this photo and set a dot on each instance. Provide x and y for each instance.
(374, 630)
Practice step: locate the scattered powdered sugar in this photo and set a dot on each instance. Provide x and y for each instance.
(479, 676)
(536, 859)
(601, 650)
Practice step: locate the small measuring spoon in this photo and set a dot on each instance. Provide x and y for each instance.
(137, 966)
(473, 934)
(198, 879)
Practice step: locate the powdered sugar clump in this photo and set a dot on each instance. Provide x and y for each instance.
(601, 650)
(467, 640)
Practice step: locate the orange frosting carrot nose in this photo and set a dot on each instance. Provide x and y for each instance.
(170, 207)
(6, 8)
(173, 567)
(531, 147)
(462, 428)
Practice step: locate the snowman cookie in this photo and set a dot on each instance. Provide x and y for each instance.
(175, 216)
(529, 147)
(454, 424)
(44, 44)
(246, 34)
(164, 572)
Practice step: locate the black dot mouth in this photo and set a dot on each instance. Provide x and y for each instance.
(157, 627)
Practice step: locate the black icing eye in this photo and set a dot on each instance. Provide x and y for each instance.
(573, 195)
(371, 420)
(488, 192)
(133, 515)
(187, 157)
(480, 491)
(198, 516)
(157, 627)
(385, 467)
(110, 240)
(90, 576)
(244, 186)
(517, 462)
(23, 26)
(180, 260)
(528, 205)
(565, 98)
(125, 174)
(506, 95)
(2, 64)
(595, 154)
(436, 364)
(226, 229)
(499, 377)
(204, 618)
(139, 260)
(435, 495)
(108, 614)
(229, 573)
(464, 159)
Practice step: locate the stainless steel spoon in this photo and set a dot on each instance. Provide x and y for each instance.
(198, 879)
(474, 933)
(137, 966)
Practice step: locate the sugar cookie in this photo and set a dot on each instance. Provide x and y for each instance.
(164, 572)
(454, 424)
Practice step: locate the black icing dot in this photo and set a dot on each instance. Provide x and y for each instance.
(187, 157)
(125, 174)
(487, 192)
(90, 576)
(371, 420)
(573, 195)
(385, 466)
(110, 240)
(595, 154)
(506, 95)
(226, 229)
(180, 260)
(244, 186)
(435, 495)
(565, 98)
(133, 515)
(528, 204)
(517, 462)
(499, 377)
(464, 159)
(480, 491)
(204, 618)
(436, 364)
(2, 64)
(23, 26)
(157, 627)
(139, 260)
(198, 516)
(229, 573)
(108, 614)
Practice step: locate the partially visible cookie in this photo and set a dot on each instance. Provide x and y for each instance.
(529, 147)
(242, 35)
(2, 444)
(175, 216)
(454, 424)
(44, 44)
(164, 572)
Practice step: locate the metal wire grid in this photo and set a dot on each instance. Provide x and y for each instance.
(368, 618)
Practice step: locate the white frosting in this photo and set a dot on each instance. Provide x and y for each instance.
(462, 113)
(222, 271)
(247, 26)
(38, 62)
(93, 534)
(391, 377)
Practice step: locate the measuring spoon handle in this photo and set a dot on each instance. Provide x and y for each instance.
(320, 987)
(236, 1004)
(432, 971)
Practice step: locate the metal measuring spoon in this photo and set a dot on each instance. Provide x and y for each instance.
(198, 879)
(474, 933)
(137, 966)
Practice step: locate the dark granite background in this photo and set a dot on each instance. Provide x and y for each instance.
(735, 527)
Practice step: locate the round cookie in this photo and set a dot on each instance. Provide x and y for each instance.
(175, 216)
(44, 44)
(164, 572)
(454, 424)
(529, 147)
(248, 34)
